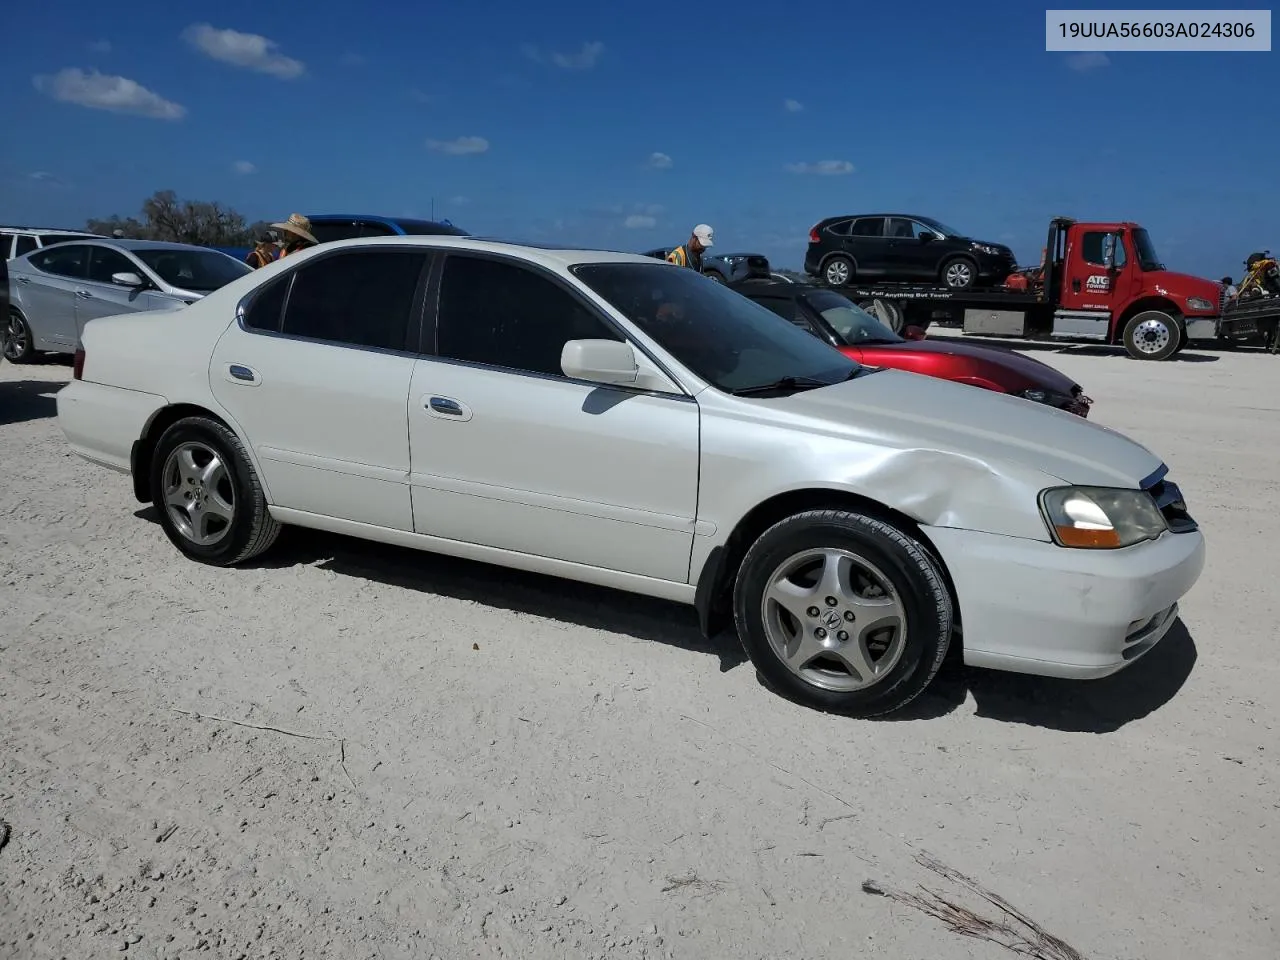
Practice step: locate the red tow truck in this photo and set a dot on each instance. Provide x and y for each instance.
(1100, 282)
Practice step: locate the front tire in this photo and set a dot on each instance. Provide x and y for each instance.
(211, 503)
(959, 273)
(1153, 335)
(843, 612)
(19, 345)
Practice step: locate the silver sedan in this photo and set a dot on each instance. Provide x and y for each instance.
(55, 291)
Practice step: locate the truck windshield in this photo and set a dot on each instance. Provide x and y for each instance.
(731, 342)
(1146, 251)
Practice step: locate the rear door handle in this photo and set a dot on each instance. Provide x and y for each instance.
(84, 294)
(446, 408)
(241, 375)
(23, 279)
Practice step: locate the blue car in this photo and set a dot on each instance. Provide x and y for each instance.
(328, 227)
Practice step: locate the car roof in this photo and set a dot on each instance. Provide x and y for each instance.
(41, 231)
(134, 244)
(546, 254)
(777, 288)
(861, 216)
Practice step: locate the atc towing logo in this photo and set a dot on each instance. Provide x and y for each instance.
(1099, 283)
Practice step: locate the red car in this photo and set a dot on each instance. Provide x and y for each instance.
(836, 319)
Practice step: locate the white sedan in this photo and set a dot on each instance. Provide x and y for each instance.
(611, 419)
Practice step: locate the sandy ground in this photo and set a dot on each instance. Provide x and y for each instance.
(474, 763)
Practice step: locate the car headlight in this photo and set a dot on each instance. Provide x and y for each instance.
(732, 260)
(1200, 303)
(994, 251)
(1101, 518)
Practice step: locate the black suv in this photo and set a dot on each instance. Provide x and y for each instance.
(903, 247)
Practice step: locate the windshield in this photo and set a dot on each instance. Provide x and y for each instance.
(1148, 259)
(853, 324)
(942, 227)
(430, 228)
(199, 270)
(726, 339)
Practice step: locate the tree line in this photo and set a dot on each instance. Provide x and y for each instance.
(201, 222)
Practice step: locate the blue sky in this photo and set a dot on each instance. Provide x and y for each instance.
(547, 121)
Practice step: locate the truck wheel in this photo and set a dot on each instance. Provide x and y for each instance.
(959, 273)
(842, 611)
(838, 271)
(1153, 335)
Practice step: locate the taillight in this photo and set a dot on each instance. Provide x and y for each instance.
(813, 236)
(77, 369)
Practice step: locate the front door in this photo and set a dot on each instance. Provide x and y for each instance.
(48, 294)
(99, 297)
(316, 373)
(509, 453)
(1093, 271)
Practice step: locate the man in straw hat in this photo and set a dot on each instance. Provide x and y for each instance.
(298, 234)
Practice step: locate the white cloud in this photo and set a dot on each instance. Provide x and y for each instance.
(1084, 62)
(459, 147)
(459, 201)
(247, 50)
(792, 106)
(100, 91)
(659, 161)
(423, 97)
(639, 221)
(823, 168)
(584, 59)
(100, 46)
(352, 60)
(244, 167)
(41, 175)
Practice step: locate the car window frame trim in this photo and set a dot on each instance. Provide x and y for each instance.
(289, 276)
(431, 328)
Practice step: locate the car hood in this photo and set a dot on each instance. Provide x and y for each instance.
(1003, 366)
(903, 410)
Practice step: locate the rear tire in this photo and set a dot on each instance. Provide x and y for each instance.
(838, 271)
(1153, 335)
(19, 345)
(210, 501)
(843, 612)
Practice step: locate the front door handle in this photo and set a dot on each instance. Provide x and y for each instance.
(23, 279)
(446, 408)
(1075, 286)
(84, 294)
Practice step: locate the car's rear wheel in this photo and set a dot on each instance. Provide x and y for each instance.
(843, 611)
(838, 271)
(19, 346)
(210, 501)
(959, 273)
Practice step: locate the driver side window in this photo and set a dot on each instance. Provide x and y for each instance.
(503, 315)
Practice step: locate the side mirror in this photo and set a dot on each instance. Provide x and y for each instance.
(914, 333)
(599, 361)
(129, 279)
(928, 237)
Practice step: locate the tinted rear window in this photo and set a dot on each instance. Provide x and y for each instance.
(49, 238)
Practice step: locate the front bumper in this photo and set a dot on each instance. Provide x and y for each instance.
(1028, 606)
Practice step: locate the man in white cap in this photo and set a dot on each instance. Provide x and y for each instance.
(690, 254)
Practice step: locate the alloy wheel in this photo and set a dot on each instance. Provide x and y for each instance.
(834, 619)
(17, 338)
(959, 274)
(837, 272)
(199, 494)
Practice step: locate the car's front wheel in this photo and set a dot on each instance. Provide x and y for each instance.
(843, 611)
(959, 273)
(210, 501)
(18, 344)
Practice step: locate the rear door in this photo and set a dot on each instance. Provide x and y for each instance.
(46, 292)
(316, 373)
(868, 246)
